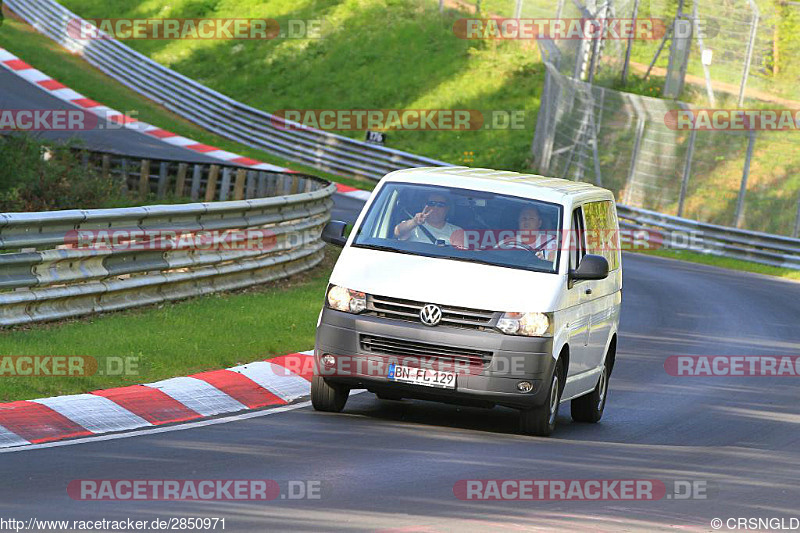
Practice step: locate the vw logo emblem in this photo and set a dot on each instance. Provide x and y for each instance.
(430, 315)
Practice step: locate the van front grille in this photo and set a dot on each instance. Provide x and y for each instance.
(401, 309)
(424, 351)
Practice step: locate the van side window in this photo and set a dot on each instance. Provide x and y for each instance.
(577, 248)
(602, 237)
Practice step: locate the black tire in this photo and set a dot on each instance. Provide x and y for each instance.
(541, 421)
(589, 407)
(327, 397)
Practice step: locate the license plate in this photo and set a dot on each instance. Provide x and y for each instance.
(422, 376)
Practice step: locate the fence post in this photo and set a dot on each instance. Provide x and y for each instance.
(197, 177)
(251, 184)
(225, 184)
(124, 170)
(796, 232)
(739, 215)
(750, 46)
(144, 178)
(163, 178)
(687, 170)
(627, 62)
(106, 168)
(211, 184)
(180, 182)
(518, 9)
(640, 123)
(238, 187)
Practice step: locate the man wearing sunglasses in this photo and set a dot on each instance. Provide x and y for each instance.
(430, 225)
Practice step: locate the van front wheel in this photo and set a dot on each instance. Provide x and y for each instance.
(541, 421)
(327, 397)
(589, 408)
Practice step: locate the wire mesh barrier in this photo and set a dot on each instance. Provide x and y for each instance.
(622, 141)
(61, 264)
(733, 45)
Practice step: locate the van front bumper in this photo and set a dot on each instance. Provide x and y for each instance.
(513, 359)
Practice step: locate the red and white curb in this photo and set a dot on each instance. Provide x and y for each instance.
(273, 382)
(62, 92)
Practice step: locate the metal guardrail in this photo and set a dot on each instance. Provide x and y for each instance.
(214, 111)
(46, 274)
(757, 247)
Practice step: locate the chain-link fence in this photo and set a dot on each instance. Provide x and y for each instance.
(732, 45)
(622, 141)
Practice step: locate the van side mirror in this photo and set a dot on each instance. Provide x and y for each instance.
(333, 233)
(591, 267)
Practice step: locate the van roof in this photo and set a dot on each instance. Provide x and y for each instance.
(501, 181)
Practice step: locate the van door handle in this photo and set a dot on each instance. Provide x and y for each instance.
(588, 291)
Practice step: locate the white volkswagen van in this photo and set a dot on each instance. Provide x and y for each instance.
(476, 287)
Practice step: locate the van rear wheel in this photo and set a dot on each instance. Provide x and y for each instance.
(326, 396)
(541, 421)
(589, 407)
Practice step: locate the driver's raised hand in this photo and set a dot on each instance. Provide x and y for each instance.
(420, 218)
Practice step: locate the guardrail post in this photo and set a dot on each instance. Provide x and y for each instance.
(211, 184)
(144, 178)
(687, 170)
(739, 215)
(180, 182)
(238, 187)
(163, 179)
(197, 176)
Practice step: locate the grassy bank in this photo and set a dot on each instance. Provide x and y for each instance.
(372, 54)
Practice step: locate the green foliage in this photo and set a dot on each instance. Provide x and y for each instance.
(42, 176)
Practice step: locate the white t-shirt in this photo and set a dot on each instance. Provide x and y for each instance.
(444, 233)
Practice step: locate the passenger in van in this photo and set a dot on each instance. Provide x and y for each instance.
(531, 234)
(432, 218)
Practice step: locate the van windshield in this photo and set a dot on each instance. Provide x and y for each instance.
(463, 225)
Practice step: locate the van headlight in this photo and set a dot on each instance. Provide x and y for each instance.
(526, 324)
(346, 300)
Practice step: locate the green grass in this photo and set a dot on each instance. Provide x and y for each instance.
(373, 54)
(176, 339)
(44, 54)
(725, 262)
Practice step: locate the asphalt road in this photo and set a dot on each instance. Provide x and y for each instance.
(16, 93)
(392, 466)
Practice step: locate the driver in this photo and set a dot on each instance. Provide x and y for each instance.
(433, 218)
(531, 235)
